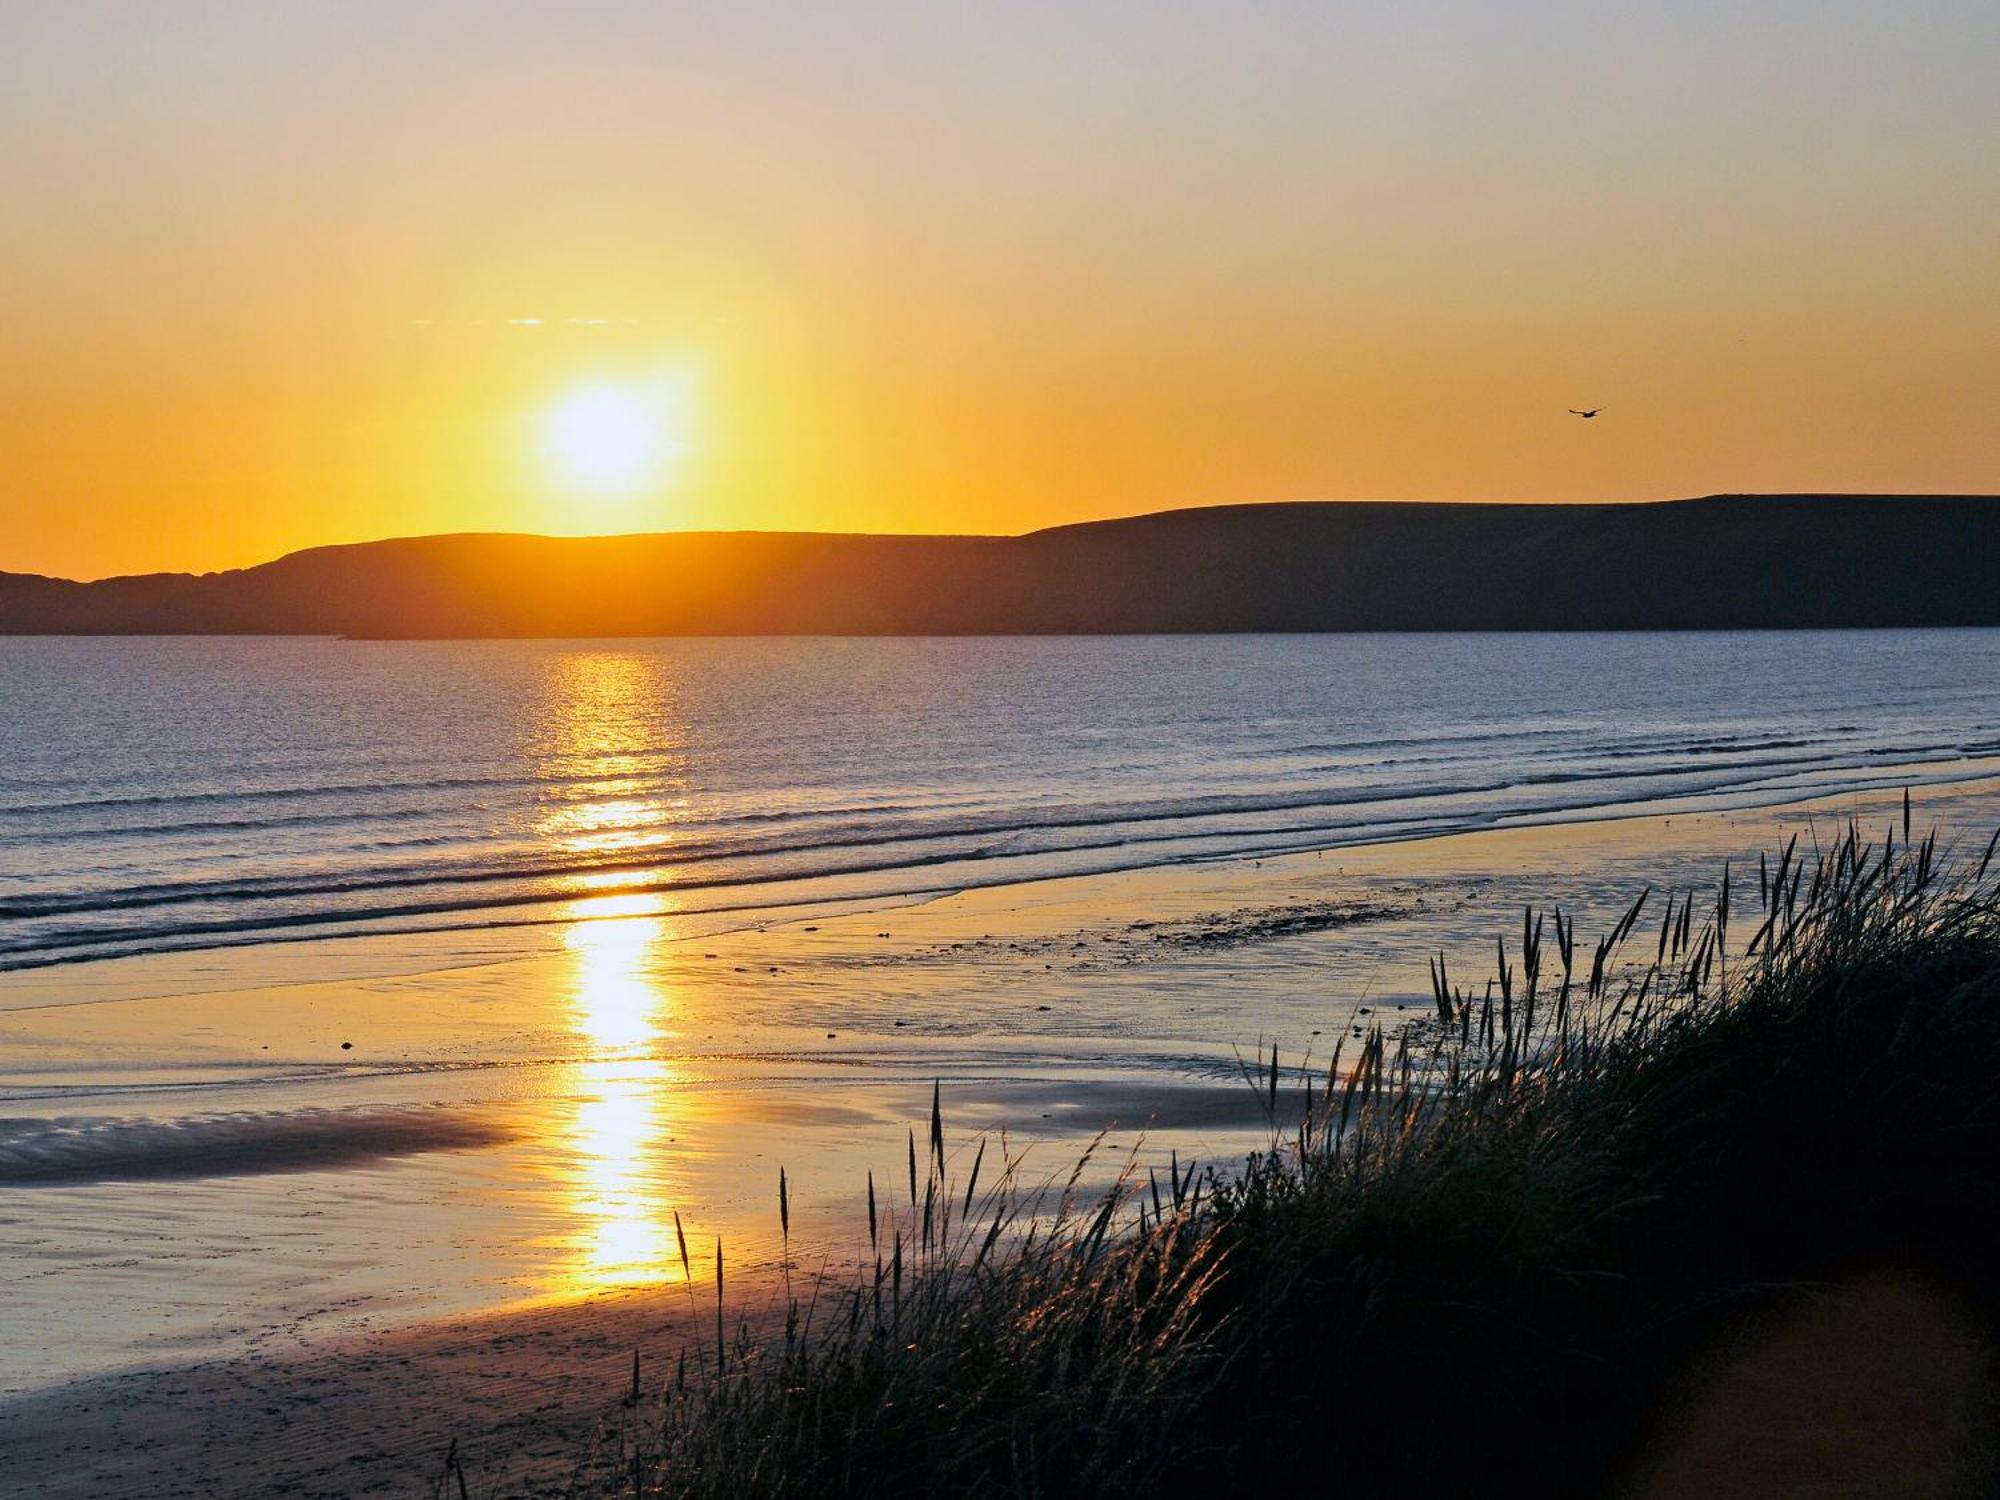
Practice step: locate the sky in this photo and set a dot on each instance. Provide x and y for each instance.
(273, 276)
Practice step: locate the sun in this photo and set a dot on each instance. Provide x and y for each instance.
(615, 438)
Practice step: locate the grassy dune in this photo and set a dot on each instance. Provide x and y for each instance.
(1479, 1264)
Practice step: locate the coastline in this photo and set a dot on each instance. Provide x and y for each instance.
(1285, 951)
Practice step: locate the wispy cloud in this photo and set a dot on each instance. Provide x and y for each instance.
(524, 322)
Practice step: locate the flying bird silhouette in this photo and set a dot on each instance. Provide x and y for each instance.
(1586, 415)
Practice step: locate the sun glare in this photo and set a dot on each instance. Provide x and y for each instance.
(616, 439)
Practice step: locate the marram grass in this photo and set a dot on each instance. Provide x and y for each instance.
(1472, 1266)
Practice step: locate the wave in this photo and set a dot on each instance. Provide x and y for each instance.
(492, 868)
(1020, 865)
(486, 868)
(548, 782)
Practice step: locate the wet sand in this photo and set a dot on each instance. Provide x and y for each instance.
(523, 1394)
(466, 1306)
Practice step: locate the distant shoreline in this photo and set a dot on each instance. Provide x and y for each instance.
(1725, 562)
(351, 638)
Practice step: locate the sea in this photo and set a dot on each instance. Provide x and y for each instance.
(185, 793)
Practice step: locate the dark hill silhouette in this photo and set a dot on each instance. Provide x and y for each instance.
(1734, 561)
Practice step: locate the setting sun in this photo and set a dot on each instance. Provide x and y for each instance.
(615, 439)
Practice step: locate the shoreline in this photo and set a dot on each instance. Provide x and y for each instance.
(819, 891)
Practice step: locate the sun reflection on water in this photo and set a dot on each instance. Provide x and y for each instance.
(606, 743)
(617, 825)
(619, 1134)
(617, 1004)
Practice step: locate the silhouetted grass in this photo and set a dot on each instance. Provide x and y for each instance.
(1467, 1270)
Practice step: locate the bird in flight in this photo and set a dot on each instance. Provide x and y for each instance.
(1586, 415)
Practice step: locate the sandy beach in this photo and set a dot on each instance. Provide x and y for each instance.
(479, 1262)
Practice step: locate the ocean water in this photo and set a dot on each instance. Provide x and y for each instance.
(176, 793)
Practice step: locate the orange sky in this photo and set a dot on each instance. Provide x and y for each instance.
(907, 270)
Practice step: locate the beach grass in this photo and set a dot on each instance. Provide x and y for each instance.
(1478, 1261)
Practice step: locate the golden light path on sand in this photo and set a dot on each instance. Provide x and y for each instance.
(619, 1130)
